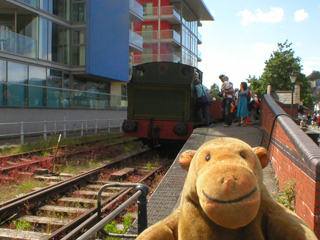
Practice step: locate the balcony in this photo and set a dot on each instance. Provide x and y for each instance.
(136, 11)
(144, 58)
(199, 38)
(11, 42)
(168, 13)
(135, 42)
(166, 36)
(199, 56)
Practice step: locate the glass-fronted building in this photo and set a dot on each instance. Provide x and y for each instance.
(170, 31)
(61, 57)
(66, 53)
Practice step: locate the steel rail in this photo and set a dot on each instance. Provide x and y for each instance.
(37, 196)
(33, 162)
(89, 218)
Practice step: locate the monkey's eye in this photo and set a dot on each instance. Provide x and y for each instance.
(208, 157)
(242, 155)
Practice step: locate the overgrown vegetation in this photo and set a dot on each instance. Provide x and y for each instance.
(112, 226)
(287, 196)
(22, 225)
(9, 191)
(52, 142)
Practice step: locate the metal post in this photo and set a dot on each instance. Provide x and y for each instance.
(159, 30)
(96, 127)
(109, 130)
(141, 193)
(142, 208)
(45, 130)
(21, 133)
(55, 127)
(81, 128)
(292, 101)
(64, 129)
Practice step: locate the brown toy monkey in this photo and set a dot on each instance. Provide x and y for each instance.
(224, 198)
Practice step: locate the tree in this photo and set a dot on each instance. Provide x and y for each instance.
(315, 75)
(215, 89)
(277, 73)
(256, 86)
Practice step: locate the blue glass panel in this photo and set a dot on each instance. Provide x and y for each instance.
(37, 78)
(16, 95)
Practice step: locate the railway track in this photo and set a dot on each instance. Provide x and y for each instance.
(65, 209)
(30, 161)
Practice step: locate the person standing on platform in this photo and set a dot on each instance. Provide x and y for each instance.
(228, 94)
(243, 111)
(202, 103)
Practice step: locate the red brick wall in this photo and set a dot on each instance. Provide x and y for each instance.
(294, 156)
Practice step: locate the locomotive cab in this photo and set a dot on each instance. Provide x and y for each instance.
(161, 102)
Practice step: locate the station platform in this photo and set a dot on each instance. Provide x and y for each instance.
(167, 195)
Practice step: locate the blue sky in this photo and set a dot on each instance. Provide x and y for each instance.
(245, 33)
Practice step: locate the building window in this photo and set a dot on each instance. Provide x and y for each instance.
(32, 3)
(16, 92)
(123, 92)
(78, 47)
(54, 83)
(78, 11)
(37, 80)
(148, 33)
(3, 71)
(3, 78)
(43, 39)
(148, 9)
(58, 43)
(61, 8)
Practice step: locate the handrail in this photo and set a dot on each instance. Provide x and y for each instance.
(141, 193)
(21, 129)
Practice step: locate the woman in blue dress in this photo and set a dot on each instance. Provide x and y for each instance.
(242, 110)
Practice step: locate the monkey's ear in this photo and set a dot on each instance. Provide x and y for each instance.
(263, 155)
(185, 159)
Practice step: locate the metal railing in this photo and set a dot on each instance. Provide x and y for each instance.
(141, 193)
(164, 11)
(136, 7)
(11, 42)
(144, 58)
(135, 39)
(64, 127)
(28, 95)
(152, 36)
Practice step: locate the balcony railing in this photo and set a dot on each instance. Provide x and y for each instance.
(165, 35)
(136, 40)
(199, 38)
(170, 34)
(24, 95)
(144, 58)
(136, 8)
(199, 56)
(11, 42)
(170, 13)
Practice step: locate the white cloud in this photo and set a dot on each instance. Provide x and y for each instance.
(275, 15)
(300, 15)
(262, 48)
(312, 63)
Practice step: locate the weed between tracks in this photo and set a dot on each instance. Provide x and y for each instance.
(9, 191)
(14, 184)
(113, 227)
(120, 225)
(52, 142)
